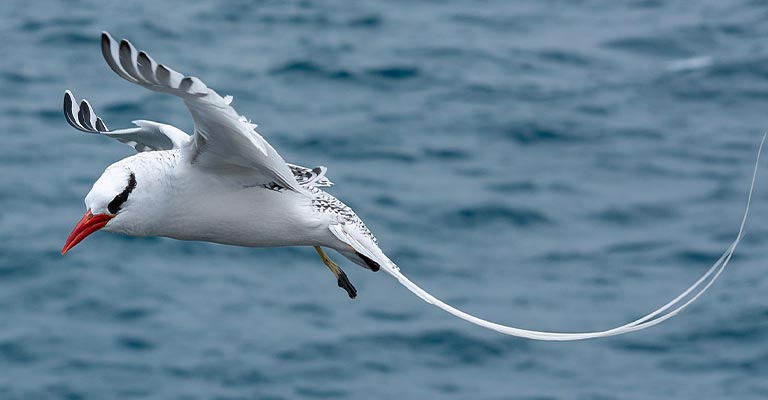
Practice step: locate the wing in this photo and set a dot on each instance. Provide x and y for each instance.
(147, 136)
(223, 139)
(154, 136)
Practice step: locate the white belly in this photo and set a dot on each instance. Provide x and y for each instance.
(243, 216)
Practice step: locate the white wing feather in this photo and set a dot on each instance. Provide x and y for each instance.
(155, 136)
(223, 139)
(147, 136)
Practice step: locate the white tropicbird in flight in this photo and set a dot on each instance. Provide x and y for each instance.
(226, 184)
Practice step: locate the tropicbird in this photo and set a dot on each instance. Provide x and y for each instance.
(226, 184)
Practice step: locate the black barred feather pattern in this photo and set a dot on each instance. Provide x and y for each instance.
(222, 138)
(158, 136)
(323, 202)
(82, 118)
(146, 136)
(138, 67)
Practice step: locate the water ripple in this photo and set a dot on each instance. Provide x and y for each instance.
(493, 148)
(481, 216)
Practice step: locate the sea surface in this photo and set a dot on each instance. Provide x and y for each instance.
(553, 165)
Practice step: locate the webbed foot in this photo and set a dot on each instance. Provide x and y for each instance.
(341, 277)
(345, 284)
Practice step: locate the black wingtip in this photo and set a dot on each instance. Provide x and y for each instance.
(186, 83)
(69, 99)
(106, 46)
(125, 49)
(101, 126)
(87, 113)
(82, 117)
(69, 112)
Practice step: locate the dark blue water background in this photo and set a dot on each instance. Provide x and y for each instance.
(561, 165)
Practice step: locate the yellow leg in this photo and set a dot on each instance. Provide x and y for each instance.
(341, 277)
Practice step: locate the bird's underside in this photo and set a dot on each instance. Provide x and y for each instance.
(226, 144)
(155, 136)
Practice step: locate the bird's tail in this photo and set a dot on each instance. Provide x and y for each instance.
(658, 316)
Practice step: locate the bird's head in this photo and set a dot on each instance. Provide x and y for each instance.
(108, 204)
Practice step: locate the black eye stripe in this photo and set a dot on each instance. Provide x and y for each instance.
(114, 205)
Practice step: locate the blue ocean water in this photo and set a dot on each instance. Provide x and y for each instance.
(554, 165)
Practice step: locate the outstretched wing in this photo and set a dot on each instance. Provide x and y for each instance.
(147, 136)
(223, 139)
(154, 136)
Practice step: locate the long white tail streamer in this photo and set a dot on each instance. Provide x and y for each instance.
(658, 316)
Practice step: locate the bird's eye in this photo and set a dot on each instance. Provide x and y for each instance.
(117, 202)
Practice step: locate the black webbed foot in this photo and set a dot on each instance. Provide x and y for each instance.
(345, 284)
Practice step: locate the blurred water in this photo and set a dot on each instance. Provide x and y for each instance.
(561, 165)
